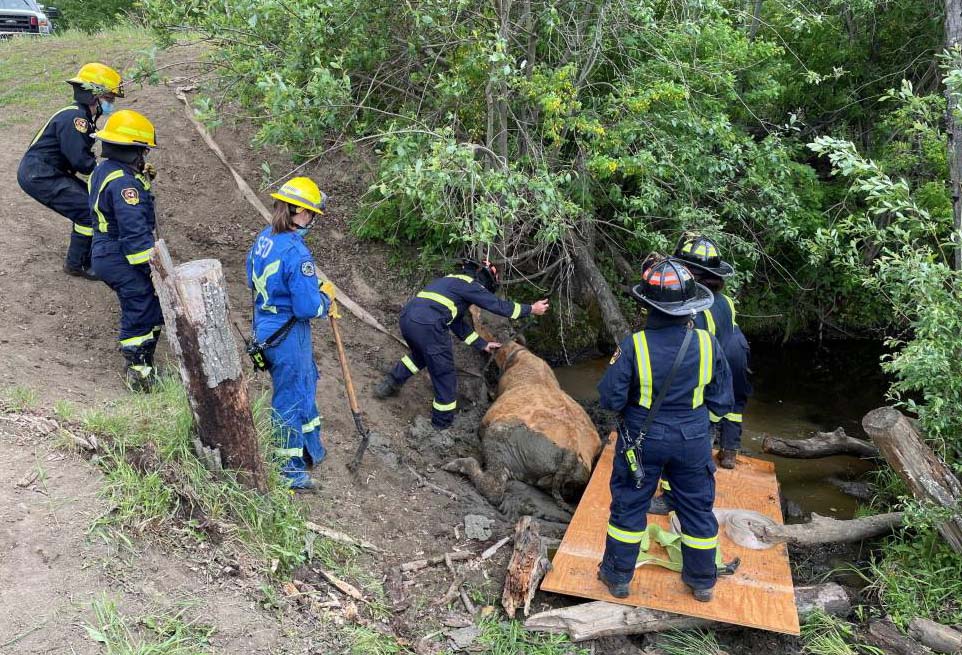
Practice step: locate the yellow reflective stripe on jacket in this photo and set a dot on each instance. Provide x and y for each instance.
(311, 425)
(709, 320)
(288, 452)
(140, 257)
(734, 418)
(409, 364)
(665, 486)
(471, 338)
(731, 305)
(644, 368)
(83, 229)
(101, 219)
(260, 284)
(441, 407)
(706, 359)
(517, 310)
(138, 341)
(441, 300)
(47, 124)
(714, 418)
(699, 543)
(466, 278)
(625, 536)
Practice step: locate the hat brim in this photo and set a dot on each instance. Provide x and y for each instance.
(723, 270)
(703, 300)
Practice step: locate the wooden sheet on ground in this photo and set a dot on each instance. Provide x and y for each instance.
(759, 595)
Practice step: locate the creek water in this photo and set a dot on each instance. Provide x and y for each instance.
(799, 389)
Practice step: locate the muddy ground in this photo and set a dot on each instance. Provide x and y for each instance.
(59, 339)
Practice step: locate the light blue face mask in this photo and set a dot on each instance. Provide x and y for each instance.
(302, 231)
(107, 107)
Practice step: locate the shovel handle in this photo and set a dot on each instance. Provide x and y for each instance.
(345, 368)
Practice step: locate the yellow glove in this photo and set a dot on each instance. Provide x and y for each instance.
(150, 171)
(327, 288)
(334, 311)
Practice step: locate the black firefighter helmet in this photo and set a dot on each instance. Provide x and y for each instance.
(669, 287)
(484, 272)
(702, 253)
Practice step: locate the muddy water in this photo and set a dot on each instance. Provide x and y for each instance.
(798, 389)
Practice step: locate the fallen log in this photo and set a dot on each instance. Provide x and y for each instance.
(938, 637)
(822, 444)
(821, 529)
(885, 635)
(601, 619)
(928, 478)
(340, 537)
(528, 564)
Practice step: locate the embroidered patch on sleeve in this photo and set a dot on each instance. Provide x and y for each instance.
(614, 358)
(130, 195)
(81, 125)
(307, 268)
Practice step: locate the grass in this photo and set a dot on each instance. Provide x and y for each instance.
(33, 70)
(823, 634)
(154, 481)
(168, 633)
(22, 398)
(510, 638)
(365, 641)
(689, 642)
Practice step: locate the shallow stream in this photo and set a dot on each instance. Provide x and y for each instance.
(799, 389)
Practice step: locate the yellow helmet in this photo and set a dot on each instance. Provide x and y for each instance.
(302, 192)
(99, 78)
(128, 128)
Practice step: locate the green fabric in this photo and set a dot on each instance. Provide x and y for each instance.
(671, 542)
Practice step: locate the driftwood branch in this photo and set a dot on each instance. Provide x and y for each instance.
(938, 637)
(929, 479)
(340, 537)
(824, 529)
(529, 563)
(601, 619)
(886, 636)
(822, 444)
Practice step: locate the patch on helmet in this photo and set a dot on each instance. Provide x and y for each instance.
(307, 268)
(81, 125)
(614, 358)
(130, 196)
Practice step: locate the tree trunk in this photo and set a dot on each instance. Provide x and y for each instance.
(823, 444)
(953, 36)
(938, 637)
(756, 20)
(823, 529)
(601, 619)
(928, 478)
(529, 563)
(196, 309)
(614, 319)
(887, 637)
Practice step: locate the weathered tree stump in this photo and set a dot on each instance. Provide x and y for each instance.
(528, 565)
(601, 619)
(821, 444)
(196, 309)
(927, 477)
(938, 637)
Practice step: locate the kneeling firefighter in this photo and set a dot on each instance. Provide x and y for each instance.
(122, 205)
(425, 321)
(702, 257)
(663, 381)
(62, 149)
(287, 294)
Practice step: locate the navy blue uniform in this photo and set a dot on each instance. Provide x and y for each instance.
(123, 210)
(48, 171)
(284, 285)
(719, 319)
(425, 321)
(677, 446)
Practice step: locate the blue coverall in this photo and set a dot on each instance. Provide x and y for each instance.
(677, 446)
(425, 321)
(123, 210)
(283, 281)
(62, 148)
(719, 319)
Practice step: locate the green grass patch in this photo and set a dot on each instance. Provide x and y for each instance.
(153, 479)
(21, 398)
(33, 70)
(824, 634)
(689, 642)
(167, 633)
(510, 638)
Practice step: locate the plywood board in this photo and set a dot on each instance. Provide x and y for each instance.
(759, 595)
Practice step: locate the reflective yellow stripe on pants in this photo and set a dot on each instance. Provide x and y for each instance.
(409, 364)
(311, 425)
(442, 407)
(625, 536)
(82, 229)
(699, 543)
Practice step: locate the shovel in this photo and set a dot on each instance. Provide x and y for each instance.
(362, 430)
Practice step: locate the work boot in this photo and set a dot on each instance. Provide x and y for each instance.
(616, 589)
(84, 273)
(702, 595)
(140, 378)
(726, 458)
(659, 505)
(308, 485)
(386, 388)
(730, 567)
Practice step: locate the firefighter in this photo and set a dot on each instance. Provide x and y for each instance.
(62, 149)
(702, 257)
(122, 207)
(425, 321)
(287, 294)
(676, 444)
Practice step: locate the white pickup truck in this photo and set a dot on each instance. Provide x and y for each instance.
(25, 17)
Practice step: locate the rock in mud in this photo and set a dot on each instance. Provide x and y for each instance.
(477, 527)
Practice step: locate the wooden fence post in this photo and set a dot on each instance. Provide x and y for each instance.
(196, 309)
